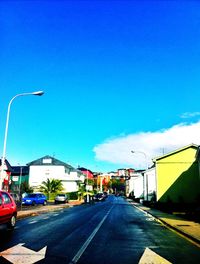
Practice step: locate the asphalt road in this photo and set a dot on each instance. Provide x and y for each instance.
(107, 232)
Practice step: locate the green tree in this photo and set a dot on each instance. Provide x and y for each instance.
(89, 182)
(118, 185)
(51, 186)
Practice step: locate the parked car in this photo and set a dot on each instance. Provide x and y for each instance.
(8, 210)
(34, 198)
(61, 198)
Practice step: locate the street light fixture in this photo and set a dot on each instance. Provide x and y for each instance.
(146, 168)
(39, 93)
(146, 165)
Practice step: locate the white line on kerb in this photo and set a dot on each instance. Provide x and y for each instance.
(87, 242)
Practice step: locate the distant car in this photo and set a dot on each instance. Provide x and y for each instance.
(8, 210)
(99, 197)
(34, 198)
(61, 198)
(105, 194)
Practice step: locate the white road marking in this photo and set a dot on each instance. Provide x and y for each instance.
(33, 222)
(46, 217)
(150, 257)
(54, 214)
(22, 255)
(87, 242)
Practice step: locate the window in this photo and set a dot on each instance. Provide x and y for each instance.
(47, 161)
(6, 198)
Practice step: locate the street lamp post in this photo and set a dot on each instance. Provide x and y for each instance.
(87, 196)
(146, 168)
(39, 93)
(101, 183)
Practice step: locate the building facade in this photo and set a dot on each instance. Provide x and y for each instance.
(48, 167)
(178, 178)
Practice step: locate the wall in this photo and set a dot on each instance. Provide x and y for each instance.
(149, 184)
(178, 177)
(138, 186)
(70, 186)
(38, 174)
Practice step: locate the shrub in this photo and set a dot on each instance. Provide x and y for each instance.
(73, 195)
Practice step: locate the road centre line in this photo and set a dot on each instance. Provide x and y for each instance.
(87, 242)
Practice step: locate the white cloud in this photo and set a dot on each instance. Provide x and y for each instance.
(190, 114)
(153, 144)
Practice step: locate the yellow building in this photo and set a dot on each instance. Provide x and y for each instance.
(178, 177)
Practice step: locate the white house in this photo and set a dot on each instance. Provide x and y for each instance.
(150, 184)
(137, 185)
(49, 167)
(142, 182)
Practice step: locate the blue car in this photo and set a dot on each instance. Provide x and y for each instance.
(34, 198)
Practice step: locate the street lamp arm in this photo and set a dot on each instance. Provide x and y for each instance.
(8, 116)
(138, 151)
(39, 93)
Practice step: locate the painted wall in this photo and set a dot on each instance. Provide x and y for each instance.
(149, 184)
(70, 186)
(38, 174)
(178, 178)
(138, 186)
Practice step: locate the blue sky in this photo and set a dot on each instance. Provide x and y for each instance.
(117, 76)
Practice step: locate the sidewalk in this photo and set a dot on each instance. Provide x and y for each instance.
(39, 209)
(185, 227)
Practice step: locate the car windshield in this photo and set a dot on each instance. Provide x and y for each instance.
(62, 195)
(32, 195)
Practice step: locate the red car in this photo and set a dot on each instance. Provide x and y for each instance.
(8, 210)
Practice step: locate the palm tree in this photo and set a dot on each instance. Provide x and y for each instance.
(51, 186)
(56, 185)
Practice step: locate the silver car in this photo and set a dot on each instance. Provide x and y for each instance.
(61, 198)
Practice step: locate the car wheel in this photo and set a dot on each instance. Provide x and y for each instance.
(45, 202)
(33, 203)
(12, 222)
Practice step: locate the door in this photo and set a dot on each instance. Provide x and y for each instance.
(6, 207)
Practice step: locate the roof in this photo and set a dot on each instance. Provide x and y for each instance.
(50, 161)
(7, 165)
(176, 151)
(84, 169)
(20, 170)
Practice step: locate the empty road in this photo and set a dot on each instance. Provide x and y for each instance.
(110, 232)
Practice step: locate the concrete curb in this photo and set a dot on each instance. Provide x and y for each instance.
(45, 209)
